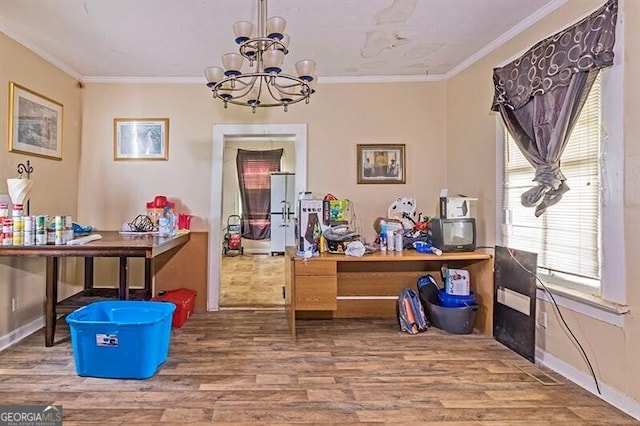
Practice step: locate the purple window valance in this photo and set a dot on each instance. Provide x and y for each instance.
(551, 63)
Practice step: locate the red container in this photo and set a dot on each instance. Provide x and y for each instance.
(184, 300)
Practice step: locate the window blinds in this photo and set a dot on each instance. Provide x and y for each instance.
(567, 236)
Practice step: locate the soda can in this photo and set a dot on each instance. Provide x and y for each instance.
(41, 238)
(4, 210)
(18, 238)
(7, 226)
(28, 224)
(29, 238)
(18, 224)
(68, 222)
(41, 222)
(58, 223)
(18, 210)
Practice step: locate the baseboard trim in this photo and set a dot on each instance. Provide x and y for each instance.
(21, 332)
(609, 394)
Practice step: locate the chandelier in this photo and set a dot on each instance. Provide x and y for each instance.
(265, 85)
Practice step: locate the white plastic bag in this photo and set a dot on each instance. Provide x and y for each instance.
(355, 248)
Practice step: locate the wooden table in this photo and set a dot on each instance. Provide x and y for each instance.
(339, 286)
(112, 244)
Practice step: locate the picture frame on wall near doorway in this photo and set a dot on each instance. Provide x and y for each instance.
(35, 123)
(381, 163)
(141, 139)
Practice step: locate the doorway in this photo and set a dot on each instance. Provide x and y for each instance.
(222, 134)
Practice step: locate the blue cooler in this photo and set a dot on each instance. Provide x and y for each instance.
(121, 339)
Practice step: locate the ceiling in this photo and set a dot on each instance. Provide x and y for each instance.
(110, 40)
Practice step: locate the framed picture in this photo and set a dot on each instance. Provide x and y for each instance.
(141, 139)
(381, 163)
(35, 123)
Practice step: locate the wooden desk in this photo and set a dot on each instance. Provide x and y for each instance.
(112, 244)
(339, 286)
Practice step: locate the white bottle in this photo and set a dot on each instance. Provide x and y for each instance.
(165, 223)
(390, 241)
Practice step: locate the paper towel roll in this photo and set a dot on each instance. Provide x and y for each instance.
(19, 190)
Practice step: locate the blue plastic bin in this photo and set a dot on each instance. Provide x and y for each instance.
(120, 339)
(455, 301)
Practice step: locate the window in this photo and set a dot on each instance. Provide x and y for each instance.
(567, 237)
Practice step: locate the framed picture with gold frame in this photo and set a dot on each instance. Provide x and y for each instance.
(381, 163)
(35, 123)
(141, 139)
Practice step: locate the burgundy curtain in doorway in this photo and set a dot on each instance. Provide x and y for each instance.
(254, 178)
(541, 94)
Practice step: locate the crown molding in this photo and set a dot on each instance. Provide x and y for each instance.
(15, 35)
(514, 31)
(322, 80)
(523, 25)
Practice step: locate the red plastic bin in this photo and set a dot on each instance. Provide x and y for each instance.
(184, 299)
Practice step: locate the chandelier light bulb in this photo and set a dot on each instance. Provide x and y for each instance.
(243, 30)
(275, 27)
(272, 60)
(305, 69)
(285, 42)
(213, 75)
(232, 63)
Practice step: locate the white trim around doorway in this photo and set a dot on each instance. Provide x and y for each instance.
(297, 133)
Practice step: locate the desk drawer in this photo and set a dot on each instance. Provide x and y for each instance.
(316, 293)
(315, 268)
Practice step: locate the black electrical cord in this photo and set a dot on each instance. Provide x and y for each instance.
(557, 308)
(142, 223)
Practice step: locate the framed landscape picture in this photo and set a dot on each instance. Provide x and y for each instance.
(35, 123)
(381, 163)
(141, 139)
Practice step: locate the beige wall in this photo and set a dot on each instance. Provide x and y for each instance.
(338, 118)
(471, 139)
(55, 185)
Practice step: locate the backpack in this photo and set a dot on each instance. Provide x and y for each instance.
(410, 312)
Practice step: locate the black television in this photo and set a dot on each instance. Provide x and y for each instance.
(453, 235)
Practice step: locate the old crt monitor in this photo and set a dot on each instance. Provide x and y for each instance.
(451, 235)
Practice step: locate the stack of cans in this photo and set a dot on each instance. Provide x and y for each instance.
(7, 225)
(17, 214)
(21, 230)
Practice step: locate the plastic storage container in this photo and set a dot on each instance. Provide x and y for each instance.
(455, 300)
(184, 299)
(456, 320)
(120, 339)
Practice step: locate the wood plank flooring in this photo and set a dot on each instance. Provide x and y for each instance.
(252, 280)
(240, 367)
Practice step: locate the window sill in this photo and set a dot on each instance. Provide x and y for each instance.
(585, 304)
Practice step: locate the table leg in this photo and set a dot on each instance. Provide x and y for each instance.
(148, 278)
(88, 273)
(50, 301)
(123, 292)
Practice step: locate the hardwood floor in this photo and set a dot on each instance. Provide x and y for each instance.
(241, 367)
(252, 280)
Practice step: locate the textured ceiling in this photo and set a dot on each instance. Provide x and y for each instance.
(177, 39)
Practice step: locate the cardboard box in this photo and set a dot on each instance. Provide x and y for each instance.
(456, 282)
(309, 225)
(455, 207)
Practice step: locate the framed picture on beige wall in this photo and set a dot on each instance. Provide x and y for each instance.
(35, 123)
(141, 139)
(381, 163)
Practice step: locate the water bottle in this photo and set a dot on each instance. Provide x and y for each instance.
(165, 223)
